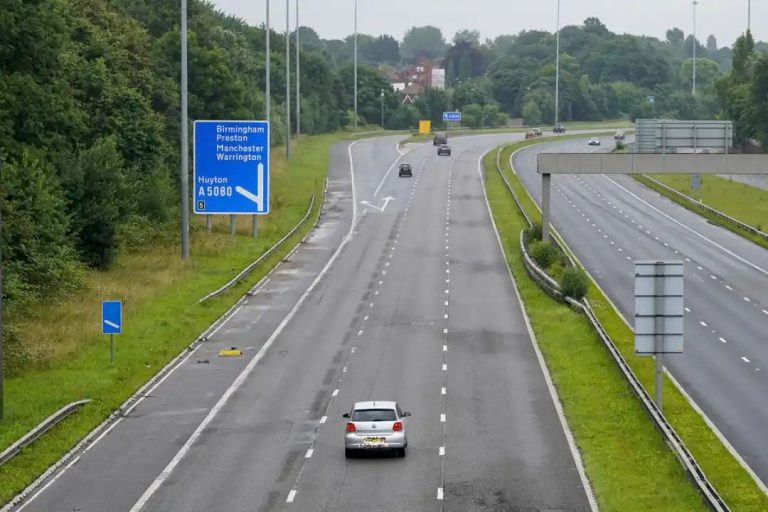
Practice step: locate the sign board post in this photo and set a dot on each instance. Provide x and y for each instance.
(231, 171)
(659, 313)
(451, 117)
(111, 323)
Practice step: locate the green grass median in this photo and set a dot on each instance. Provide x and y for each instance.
(161, 316)
(625, 457)
(743, 202)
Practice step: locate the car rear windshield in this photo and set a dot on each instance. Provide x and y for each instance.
(374, 415)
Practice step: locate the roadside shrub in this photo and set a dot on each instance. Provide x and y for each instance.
(620, 146)
(574, 283)
(543, 253)
(534, 232)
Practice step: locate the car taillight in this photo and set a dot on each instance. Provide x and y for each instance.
(350, 427)
(397, 426)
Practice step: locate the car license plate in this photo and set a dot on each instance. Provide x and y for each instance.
(374, 440)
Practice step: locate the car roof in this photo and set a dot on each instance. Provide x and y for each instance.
(376, 404)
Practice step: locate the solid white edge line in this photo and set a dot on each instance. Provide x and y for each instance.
(760, 484)
(703, 237)
(539, 356)
(139, 505)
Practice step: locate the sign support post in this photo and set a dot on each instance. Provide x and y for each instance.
(111, 323)
(659, 315)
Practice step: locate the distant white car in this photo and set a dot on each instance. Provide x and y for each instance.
(594, 141)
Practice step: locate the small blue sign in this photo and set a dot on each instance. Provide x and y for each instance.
(651, 99)
(111, 317)
(451, 116)
(231, 168)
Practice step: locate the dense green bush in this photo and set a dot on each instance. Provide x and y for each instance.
(543, 253)
(534, 232)
(574, 283)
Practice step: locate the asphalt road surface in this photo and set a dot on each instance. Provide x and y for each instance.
(609, 221)
(405, 299)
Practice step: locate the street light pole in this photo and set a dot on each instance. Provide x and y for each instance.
(268, 63)
(184, 136)
(287, 79)
(2, 356)
(749, 15)
(695, 3)
(355, 73)
(557, 68)
(298, 76)
(382, 109)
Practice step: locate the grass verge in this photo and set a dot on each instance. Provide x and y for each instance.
(738, 200)
(730, 479)
(625, 458)
(161, 316)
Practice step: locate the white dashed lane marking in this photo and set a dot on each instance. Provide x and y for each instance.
(723, 340)
(745, 359)
(291, 496)
(335, 392)
(309, 453)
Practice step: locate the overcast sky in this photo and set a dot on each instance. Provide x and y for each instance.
(726, 19)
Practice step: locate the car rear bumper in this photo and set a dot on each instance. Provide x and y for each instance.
(358, 442)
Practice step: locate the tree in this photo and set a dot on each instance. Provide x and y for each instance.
(431, 105)
(383, 49)
(472, 115)
(420, 42)
(712, 44)
(675, 37)
(470, 37)
(369, 86)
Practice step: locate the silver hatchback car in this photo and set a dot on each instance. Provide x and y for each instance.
(376, 426)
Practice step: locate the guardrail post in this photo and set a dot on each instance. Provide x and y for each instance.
(546, 181)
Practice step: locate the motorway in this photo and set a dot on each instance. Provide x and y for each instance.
(407, 299)
(609, 221)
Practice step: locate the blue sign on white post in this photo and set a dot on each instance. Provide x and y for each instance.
(111, 317)
(451, 116)
(231, 168)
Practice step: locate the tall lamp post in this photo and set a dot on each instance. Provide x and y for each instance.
(184, 136)
(2, 357)
(287, 79)
(382, 109)
(749, 15)
(557, 68)
(695, 3)
(298, 76)
(355, 72)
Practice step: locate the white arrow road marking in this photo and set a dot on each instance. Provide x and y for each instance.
(384, 207)
(112, 324)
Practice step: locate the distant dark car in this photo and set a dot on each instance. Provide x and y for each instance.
(443, 149)
(559, 128)
(439, 139)
(619, 135)
(405, 171)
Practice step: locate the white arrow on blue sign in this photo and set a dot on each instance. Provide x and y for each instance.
(231, 167)
(451, 116)
(111, 317)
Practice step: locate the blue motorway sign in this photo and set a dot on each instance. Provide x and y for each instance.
(451, 116)
(111, 317)
(231, 173)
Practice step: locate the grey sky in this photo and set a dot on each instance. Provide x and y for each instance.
(726, 19)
